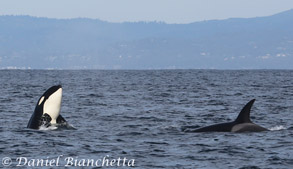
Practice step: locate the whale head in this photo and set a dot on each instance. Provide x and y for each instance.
(48, 108)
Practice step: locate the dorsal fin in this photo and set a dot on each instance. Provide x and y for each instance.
(244, 115)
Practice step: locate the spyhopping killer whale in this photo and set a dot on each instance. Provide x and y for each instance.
(47, 111)
(241, 124)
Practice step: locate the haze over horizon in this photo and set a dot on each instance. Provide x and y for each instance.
(153, 34)
(168, 11)
(42, 43)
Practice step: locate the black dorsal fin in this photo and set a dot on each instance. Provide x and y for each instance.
(244, 115)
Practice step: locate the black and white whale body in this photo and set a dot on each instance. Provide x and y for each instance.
(47, 111)
(241, 124)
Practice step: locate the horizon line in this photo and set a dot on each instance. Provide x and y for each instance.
(141, 21)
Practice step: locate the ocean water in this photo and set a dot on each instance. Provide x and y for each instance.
(139, 117)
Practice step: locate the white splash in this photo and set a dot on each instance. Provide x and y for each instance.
(61, 126)
(277, 128)
(44, 128)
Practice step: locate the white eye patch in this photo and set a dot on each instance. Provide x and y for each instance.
(41, 100)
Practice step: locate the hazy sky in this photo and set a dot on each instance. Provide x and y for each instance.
(170, 11)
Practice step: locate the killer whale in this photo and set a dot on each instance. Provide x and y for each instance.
(241, 124)
(47, 110)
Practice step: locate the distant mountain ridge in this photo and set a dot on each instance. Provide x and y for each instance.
(237, 43)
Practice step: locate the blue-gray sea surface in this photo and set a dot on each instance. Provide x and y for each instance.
(141, 115)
